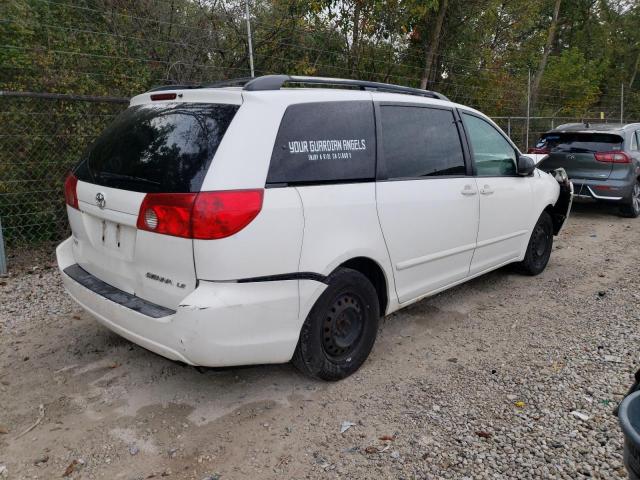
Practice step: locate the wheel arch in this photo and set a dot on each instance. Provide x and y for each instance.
(376, 275)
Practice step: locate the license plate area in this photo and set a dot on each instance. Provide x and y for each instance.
(112, 238)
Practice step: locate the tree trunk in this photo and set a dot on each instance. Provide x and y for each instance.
(551, 37)
(353, 54)
(431, 49)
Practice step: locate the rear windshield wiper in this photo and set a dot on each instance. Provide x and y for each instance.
(125, 178)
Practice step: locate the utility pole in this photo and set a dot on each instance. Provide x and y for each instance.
(528, 111)
(253, 74)
(622, 103)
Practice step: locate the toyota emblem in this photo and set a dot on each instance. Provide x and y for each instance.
(100, 201)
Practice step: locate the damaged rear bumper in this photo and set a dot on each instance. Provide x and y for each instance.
(218, 324)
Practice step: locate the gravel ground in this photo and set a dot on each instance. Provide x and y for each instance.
(477, 382)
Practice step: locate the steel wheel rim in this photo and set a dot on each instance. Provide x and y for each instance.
(540, 242)
(343, 326)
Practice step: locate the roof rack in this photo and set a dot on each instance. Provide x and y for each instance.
(232, 82)
(275, 82)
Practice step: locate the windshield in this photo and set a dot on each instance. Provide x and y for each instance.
(157, 148)
(580, 142)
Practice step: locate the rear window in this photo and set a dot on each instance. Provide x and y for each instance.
(157, 148)
(580, 142)
(324, 142)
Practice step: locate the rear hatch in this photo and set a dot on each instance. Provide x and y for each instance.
(159, 147)
(576, 153)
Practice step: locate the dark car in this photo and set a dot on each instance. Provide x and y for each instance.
(602, 160)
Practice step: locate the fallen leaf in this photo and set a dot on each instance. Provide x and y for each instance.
(387, 438)
(114, 365)
(70, 469)
(484, 434)
(519, 404)
(371, 449)
(3, 430)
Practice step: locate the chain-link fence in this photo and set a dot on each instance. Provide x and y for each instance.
(42, 137)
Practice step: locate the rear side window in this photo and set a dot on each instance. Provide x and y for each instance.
(157, 148)
(324, 142)
(580, 142)
(420, 142)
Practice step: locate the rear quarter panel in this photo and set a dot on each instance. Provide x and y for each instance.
(341, 223)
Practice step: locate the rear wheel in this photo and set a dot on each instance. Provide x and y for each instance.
(539, 248)
(632, 209)
(340, 330)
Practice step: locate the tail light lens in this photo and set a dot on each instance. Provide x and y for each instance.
(204, 215)
(167, 213)
(539, 151)
(70, 190)
(222, 214)
(613, 157)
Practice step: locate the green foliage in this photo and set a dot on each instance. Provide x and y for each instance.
(483, 58)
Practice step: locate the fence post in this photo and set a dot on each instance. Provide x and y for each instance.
(528, 111)
(249, 39)
(3, 258)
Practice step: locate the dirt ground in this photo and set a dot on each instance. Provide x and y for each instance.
(477, 382)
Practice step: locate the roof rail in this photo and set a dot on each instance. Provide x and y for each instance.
(275, 82)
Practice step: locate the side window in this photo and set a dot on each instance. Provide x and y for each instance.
(634, 141)
(325, 142)
(420, 142)
(493, 154)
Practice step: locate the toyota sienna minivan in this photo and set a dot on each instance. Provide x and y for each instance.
(247, 223)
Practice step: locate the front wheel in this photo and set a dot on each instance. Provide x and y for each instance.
(539, 248)
(632, 209)
(340, 330)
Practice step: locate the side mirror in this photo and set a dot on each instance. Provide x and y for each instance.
(526, 166)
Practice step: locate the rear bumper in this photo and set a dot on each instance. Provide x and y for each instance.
(603, 190)
(218, 324)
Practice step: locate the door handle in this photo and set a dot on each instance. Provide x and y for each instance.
(486, 190)
(469, 190)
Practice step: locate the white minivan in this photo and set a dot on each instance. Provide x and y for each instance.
(247, 223)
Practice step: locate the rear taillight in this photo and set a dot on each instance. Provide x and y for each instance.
(167, 213)
(221, 214)
(539, 151)
(70, 190)
(613, 157)
(204, 216)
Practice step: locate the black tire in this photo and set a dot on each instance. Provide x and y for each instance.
(632, 209)
(339, 332)
(539, 248)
